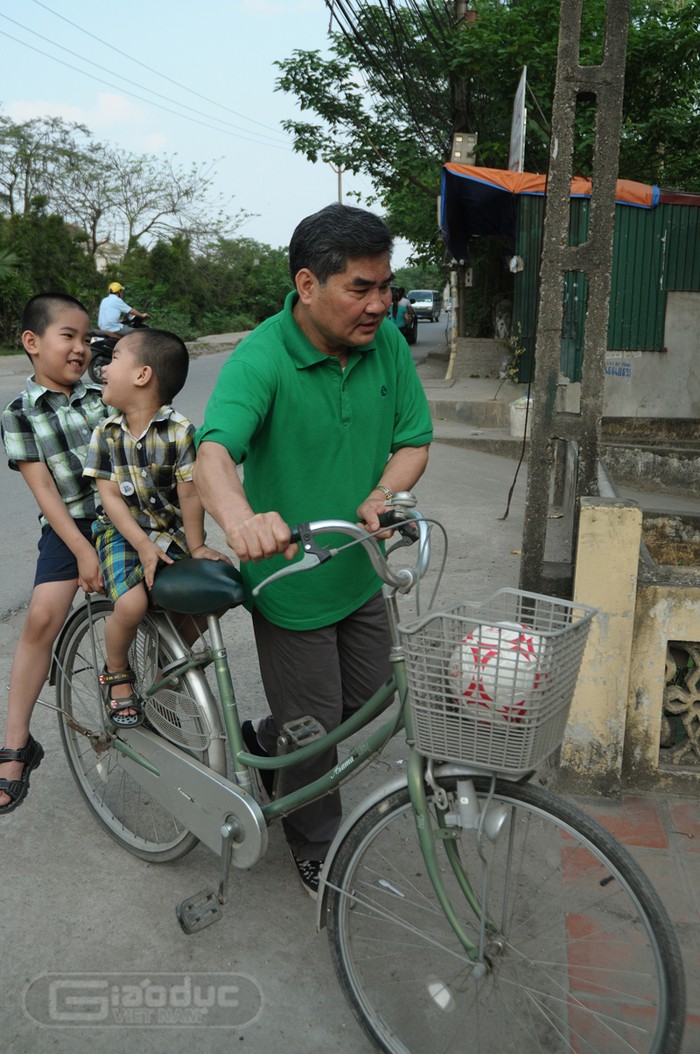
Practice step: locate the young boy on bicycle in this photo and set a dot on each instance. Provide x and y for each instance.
(142, 458)
(46, 430)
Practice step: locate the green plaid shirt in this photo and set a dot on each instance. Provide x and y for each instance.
(53, 428)
(147, 470)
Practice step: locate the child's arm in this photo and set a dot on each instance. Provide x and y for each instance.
(118, 512)
(41, 483)
(193, 524)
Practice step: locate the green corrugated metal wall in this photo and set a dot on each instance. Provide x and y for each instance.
(654, 251)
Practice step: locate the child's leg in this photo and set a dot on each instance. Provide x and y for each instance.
(48, 609)
(120, 630)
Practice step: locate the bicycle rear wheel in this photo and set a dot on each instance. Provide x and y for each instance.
(130, 814)
(583, 961)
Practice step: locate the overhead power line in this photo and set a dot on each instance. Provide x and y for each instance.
(134, 95)
(396, 60)
(225, 128)
(144, 65)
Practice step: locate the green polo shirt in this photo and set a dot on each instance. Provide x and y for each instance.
(314, 440)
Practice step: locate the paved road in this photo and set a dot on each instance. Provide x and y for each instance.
(77, 908)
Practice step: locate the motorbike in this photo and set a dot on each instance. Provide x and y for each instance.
(102, 345)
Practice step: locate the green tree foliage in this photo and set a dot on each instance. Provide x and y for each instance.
(661, 103)
(64, 198)
(111, 195)
(48, 254)
(403, 78)
(231, 287)
(420, 277)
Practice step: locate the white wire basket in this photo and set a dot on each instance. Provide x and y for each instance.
(491, 683)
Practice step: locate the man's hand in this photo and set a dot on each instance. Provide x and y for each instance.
(368, 513)
(150, 555)
(260, 537)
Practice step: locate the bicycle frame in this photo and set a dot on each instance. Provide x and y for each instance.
(226, 815)
(246, 815)
(126, 743)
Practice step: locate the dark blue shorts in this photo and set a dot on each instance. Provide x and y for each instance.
(56, 562)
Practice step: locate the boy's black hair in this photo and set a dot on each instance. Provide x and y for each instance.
(40, 311)
(168, 357)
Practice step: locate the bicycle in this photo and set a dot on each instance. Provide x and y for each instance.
(467, 908)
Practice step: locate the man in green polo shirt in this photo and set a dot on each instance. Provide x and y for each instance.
(323, 406)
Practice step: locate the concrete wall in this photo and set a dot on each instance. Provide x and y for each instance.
(479, 357)
(607, 558)
(664, 612)
(612, 737)
(659, 384)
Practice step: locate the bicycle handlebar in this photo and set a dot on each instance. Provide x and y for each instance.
(415, 529)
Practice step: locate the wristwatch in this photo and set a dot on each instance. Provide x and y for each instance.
(386, 492)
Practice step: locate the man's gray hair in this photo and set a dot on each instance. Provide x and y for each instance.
(324, 242)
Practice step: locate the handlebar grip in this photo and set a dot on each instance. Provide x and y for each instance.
(396, 519)
(391, 518)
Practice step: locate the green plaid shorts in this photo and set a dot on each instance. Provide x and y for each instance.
(119, 561)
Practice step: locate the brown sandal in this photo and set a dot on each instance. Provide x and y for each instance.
(114, 707)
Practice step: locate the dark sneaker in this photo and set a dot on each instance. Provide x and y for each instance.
(264, 778)
(308, 871)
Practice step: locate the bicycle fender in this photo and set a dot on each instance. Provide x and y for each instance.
(357, 813)
(445, 769)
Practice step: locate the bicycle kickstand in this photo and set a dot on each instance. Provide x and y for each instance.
(203, 909)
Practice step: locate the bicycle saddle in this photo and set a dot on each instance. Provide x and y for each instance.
(196, 587)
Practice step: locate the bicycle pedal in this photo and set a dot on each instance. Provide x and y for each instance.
(199, 911)
(301, 732)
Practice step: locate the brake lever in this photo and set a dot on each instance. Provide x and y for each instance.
(395, 520)
(314, 556)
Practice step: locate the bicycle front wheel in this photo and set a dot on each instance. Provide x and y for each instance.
(129, 813)
(580, 955)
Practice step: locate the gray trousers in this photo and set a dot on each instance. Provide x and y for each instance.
(325, 673)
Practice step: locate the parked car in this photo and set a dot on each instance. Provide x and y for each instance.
(427, 303)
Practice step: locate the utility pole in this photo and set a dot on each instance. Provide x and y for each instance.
(339, 169)
(573, 436)
(463, 15)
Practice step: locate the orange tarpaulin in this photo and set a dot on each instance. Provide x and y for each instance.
(480, 201)
(628, 192)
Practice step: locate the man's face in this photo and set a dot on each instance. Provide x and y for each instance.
(61, 354)
(347, 311)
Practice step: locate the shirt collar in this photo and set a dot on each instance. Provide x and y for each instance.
(118, 420)
(36, 391)
(298, 346)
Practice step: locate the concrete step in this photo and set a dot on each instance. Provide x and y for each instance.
(484, 414)
(488, 439)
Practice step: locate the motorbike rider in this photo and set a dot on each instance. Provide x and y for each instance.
(112, 310)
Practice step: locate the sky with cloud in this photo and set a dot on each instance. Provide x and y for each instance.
(193, 80)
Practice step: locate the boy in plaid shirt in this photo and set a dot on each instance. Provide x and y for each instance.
(142, 459)
(46, 431)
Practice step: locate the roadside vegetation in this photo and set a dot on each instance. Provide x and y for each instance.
(402, 77)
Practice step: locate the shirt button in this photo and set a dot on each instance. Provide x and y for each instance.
(143, 472)
(153, 501)
(138, 446)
